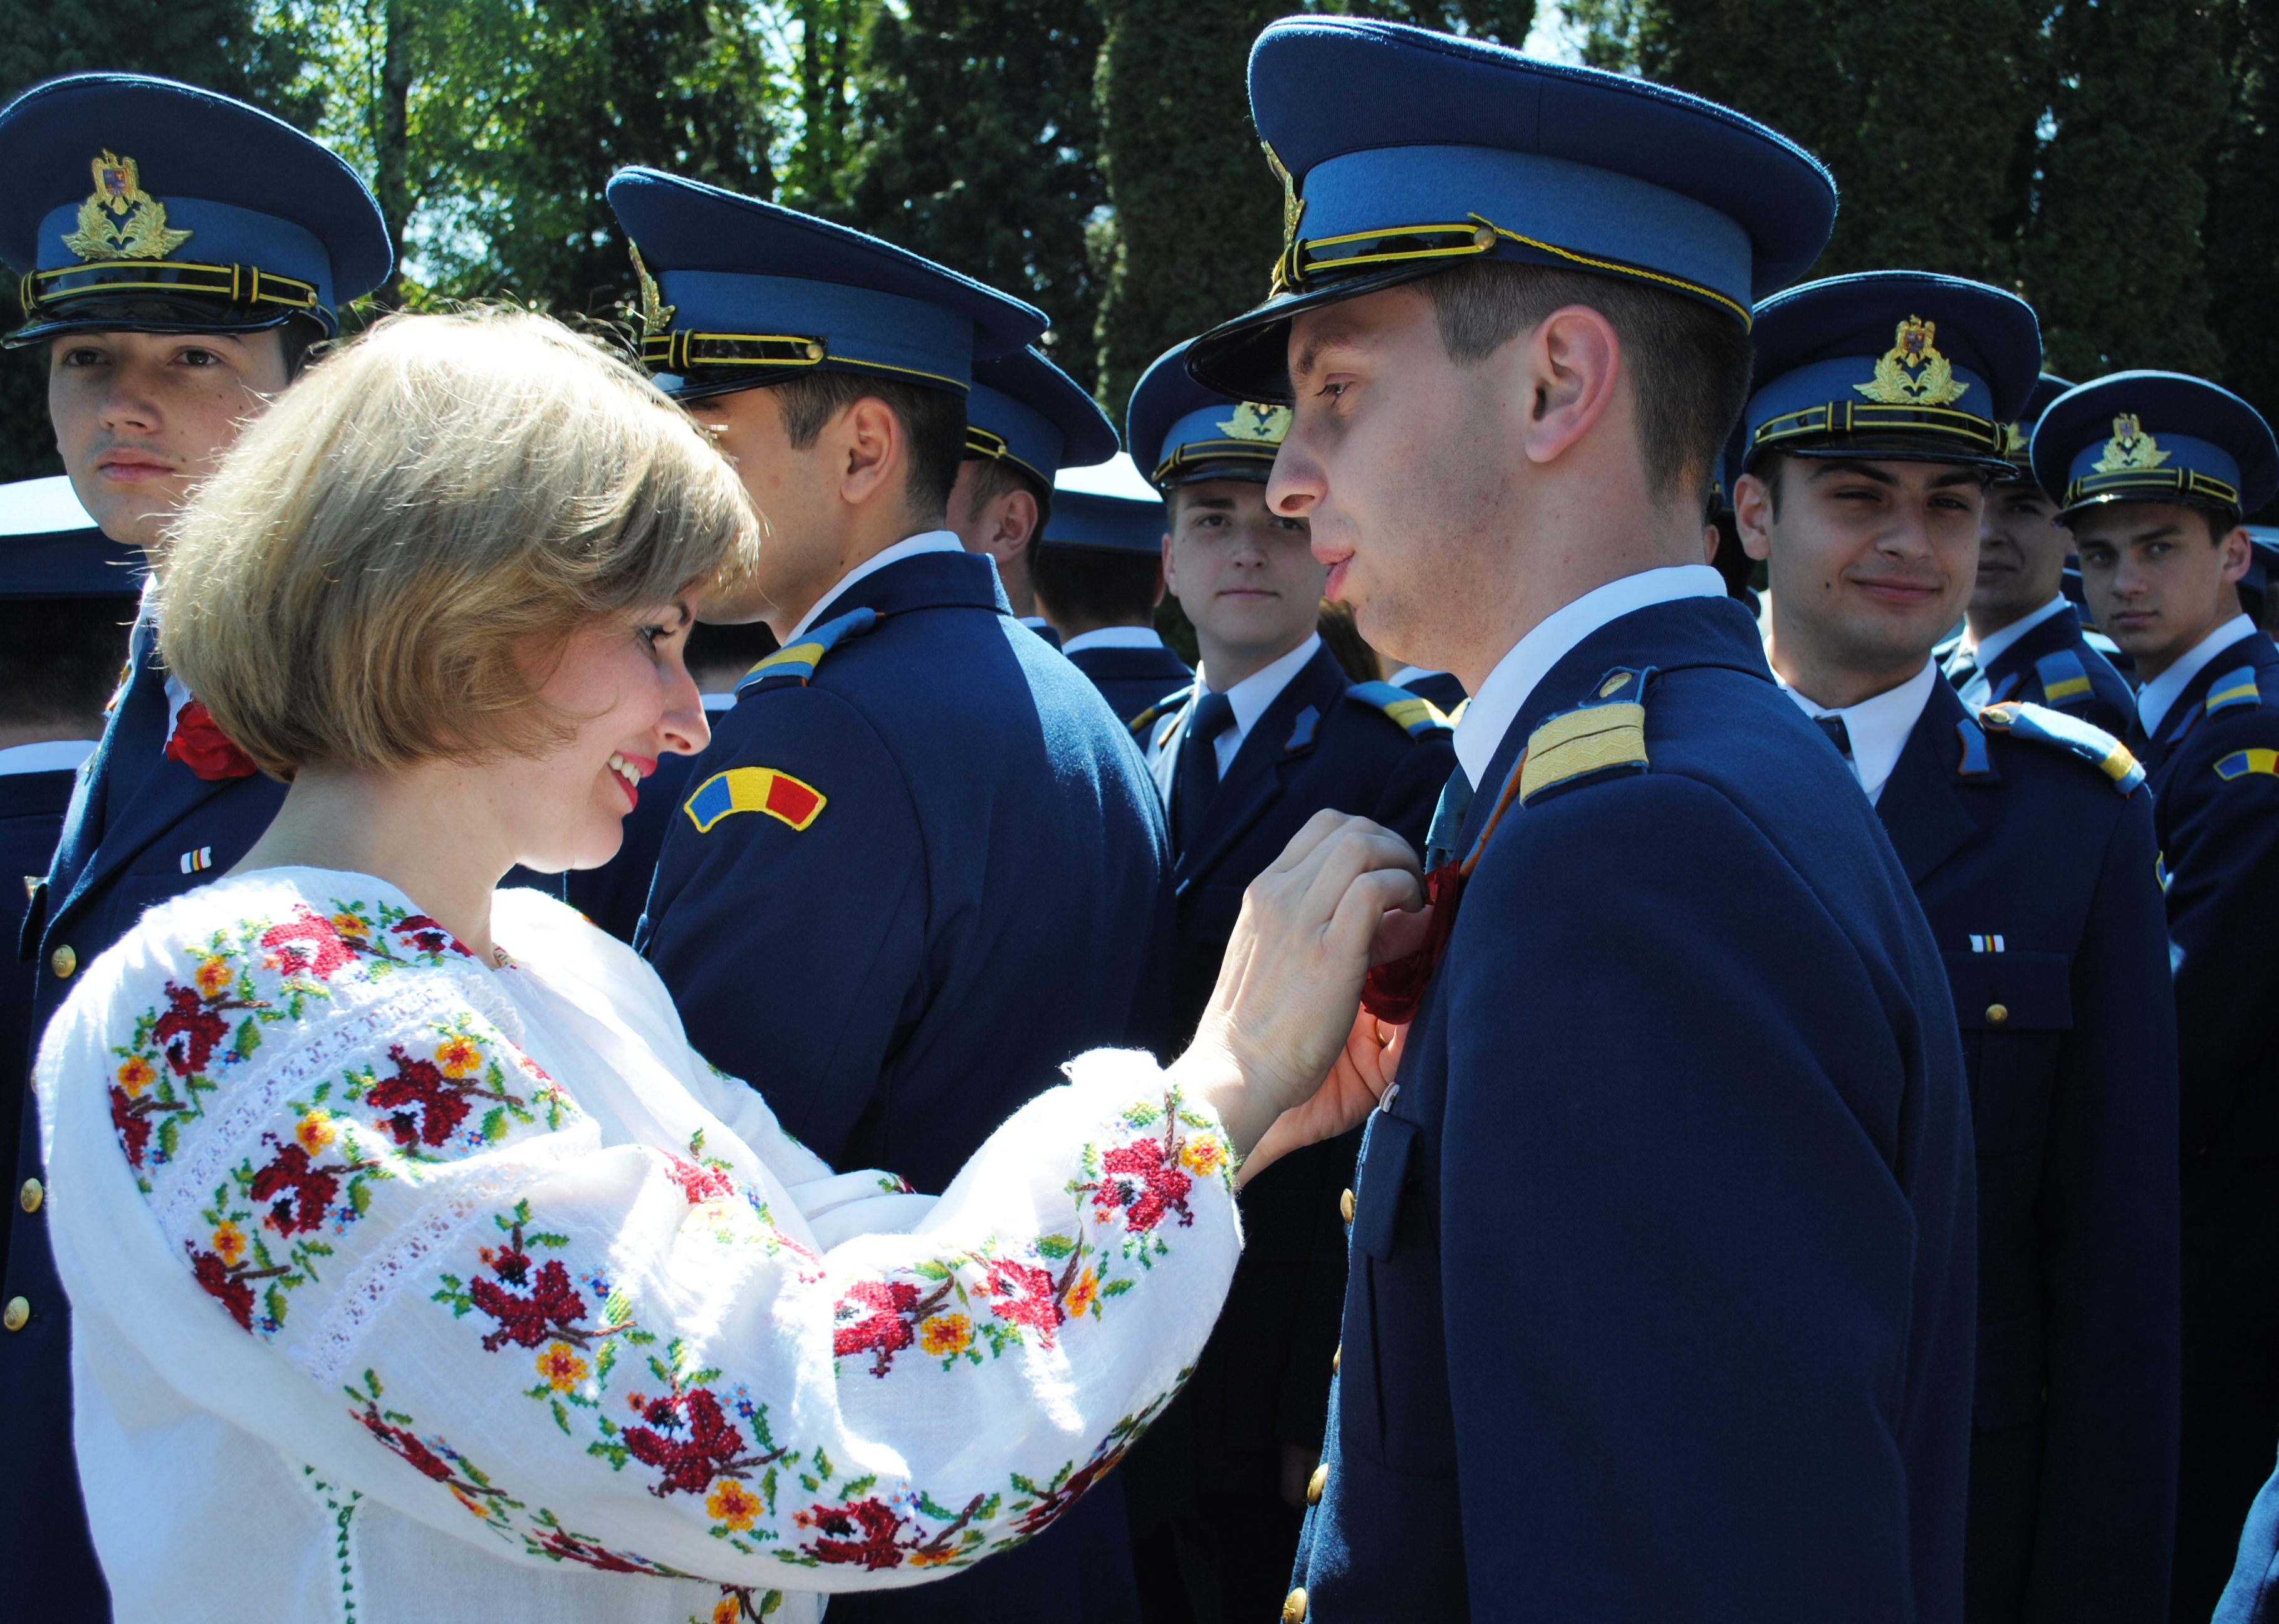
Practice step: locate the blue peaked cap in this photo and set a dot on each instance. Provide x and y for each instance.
(2155, 437)
(51, 548)
(737, 293)
(1891, 364)
(2018, 436)
(1181, 431)
(135, 203)
(1089, 520)
(1405, 152)
(1028, 413)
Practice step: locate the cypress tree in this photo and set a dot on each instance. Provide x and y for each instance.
(2241, 228)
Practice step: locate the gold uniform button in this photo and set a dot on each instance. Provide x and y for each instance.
(1336, 1354)
(63, 960)
(31, 1195)
(1293, 1606)
(1345, 1206)
(17, 1314)
(1318, 1481)
(1996, 1013)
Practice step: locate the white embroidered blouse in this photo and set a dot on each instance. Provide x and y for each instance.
(407, 1289)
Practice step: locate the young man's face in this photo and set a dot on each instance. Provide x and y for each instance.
(141, 417)
(1870, 561)
(2155, 580)
(1244, 575)
(1401, 462)
(2022, 553)
(793, 493)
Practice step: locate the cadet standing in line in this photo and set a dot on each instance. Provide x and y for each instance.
(2024, 640)
(180, 253)
(1026, 420)
(1099, 574)
(889, 881)
(1271, 731)
(1875, 420)
(1662, 1269)
(2155, 471)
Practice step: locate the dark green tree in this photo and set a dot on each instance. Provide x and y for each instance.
(2241, 228)
(976, 144)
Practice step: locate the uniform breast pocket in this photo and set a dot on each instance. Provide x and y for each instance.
(2014, 1010)
(1395, 1385)
(1214, 909)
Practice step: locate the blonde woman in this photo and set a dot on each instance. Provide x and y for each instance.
(423, 1271)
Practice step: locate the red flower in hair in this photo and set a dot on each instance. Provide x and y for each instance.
(201, 747)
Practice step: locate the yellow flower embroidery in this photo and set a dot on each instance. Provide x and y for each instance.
(315, 1133)
(135, 1074)
(559, 1364)
(459, 1057)
(945, 1334)
(1083, 1294)
(724, 1610)
(1203, 1156)
(229, 1243)
(348, 924)
(733, 1504)
(214, 976)
(930, 1559)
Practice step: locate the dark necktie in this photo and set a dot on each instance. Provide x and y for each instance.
(1837, 734)
(1198, 779)
(1448, 820)
(139, 738)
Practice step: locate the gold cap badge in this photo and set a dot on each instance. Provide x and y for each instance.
(656, 315)
(2129, 448)
(1911, 372)
(1265, 425)
(120, 221)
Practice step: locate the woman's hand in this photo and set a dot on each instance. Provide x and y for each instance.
(1358, 1078)
(1283, 1014)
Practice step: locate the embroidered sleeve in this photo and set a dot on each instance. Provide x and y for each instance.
(455, 1293)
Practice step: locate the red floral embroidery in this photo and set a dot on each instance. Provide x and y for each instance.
(691, 1440)
(870, 1534)
(428, 937)
(200, 745)
(1032, 1296)
(550, 1313)
(302, 1193)
(699, 1183)
(442, 1103)
(308, 943)
(880, 1317)
(1144, 1178)
(229, 1285)
(191, 1029)
(130, 1119)
(591, 1553)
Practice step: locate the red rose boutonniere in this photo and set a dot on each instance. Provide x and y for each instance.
(201, 747)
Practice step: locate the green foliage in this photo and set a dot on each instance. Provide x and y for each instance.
(2241, 228)
(976, 144)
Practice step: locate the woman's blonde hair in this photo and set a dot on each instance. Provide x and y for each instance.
(387, 563)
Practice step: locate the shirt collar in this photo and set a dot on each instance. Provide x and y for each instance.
(1994, 644)
(1488, 715)
(1113, 636)
(2155, 698)
(929, 541)
(1879, 727)
(48, 755)
(715, 703)
(1408, 674)
(1254, 693)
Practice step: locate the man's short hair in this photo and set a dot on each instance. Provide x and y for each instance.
(1096, 585)
(1689, 364)
(59, 659)
(390, 561)
(934, 420)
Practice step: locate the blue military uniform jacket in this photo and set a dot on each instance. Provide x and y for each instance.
(613, 895)
(1132, 680)
(1441, 687)
(1663, 1255)
(2036, 873)
(2052, 665)
(31, 817)
(140, 829)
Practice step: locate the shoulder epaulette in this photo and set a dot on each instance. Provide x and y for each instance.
(1415, 715)
(1161, 707)
(2063, 676)
(2232, 690)
(2071, 734)
(799, 661)
(1607, 731)
(2097, 641)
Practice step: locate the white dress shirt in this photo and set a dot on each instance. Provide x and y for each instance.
(929, 541)
(2154, 698)
(1879, 727)
(1254, 693)
(1408, 674)
(1113, 636)
(48, 755)
(1509, 686)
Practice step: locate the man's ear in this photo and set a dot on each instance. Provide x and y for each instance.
(1573, 363)
(1162, 584)
(870, 449)
(1011, 521)
(1170, 572)
(2238, 553)
(1752, 515)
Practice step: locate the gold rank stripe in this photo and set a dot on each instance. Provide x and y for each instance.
(1590, 740)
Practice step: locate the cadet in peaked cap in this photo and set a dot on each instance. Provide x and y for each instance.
(880, 900)
(1026, 420)
(1099, 575)
(1880, 409)
(1594, 1156)
(1271, 731)
(2024, 640)
(178, 253)
(2154, 470)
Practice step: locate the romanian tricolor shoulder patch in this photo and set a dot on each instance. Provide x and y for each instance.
(755, 789)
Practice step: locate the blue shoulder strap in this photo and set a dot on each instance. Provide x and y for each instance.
(2233, 689)
(798, 662)
(2042, 726)
(2063, 676)
(1415, 715)
(1161, 708)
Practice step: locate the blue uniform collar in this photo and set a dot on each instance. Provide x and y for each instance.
(945, 578)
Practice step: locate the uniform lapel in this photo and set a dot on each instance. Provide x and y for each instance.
(2189, 710)
(1925, 804)
(1282, 738)
(127, 758)
(2058, 631)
